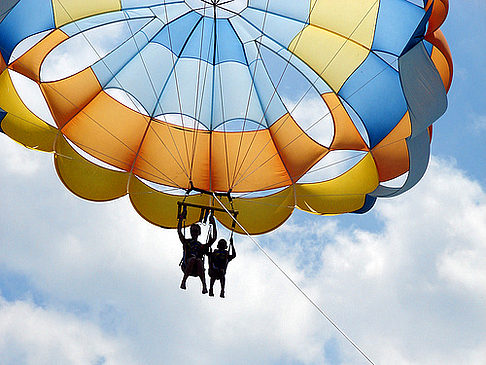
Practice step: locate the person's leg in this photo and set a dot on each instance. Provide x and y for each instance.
(211, 286)
(189, 267)
(222, 281)
(202, 275)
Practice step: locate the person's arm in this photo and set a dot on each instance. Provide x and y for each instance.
(232, 250)
(179, 230)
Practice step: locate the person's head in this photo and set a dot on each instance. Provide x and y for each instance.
(195, 230)
(222, 244)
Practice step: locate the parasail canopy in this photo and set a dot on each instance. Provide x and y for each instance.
(319, 105)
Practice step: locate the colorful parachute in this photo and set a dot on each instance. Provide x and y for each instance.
(322, 105)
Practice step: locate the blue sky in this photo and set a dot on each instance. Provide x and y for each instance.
(85, 283)
(460, 133)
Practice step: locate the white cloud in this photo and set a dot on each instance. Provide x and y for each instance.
(17, 160)
(416, 285)
(407, 293)
(30, 335)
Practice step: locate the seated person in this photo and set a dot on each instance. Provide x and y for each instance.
(218, 262)
(194, 251)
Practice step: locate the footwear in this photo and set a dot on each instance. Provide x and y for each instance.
(222, 294)
(205, 290)
(211, 293)
(183, 286)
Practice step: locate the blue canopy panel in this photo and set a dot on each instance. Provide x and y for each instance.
(419, 34)
(284, 57)
(175, 35)
(3, 113)
(187, 91)
(389, 58)
(280, 29)
(146, 75)
(396, 25)
(298, 94)
(82, 25)
(19, 23)
(200, 44)
(171, 11)
(271, 105)
(296, 10)
(228, 47)
(368, 204)
(134, 4)
(107, 68)
(235, 98)
(224, 94)
(429, 47)
(375, 93)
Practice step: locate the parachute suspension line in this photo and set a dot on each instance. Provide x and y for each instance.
(287, 276)
(351, 34)
(197, 115)
(245, 175)
(258, 46)
(57, 133)
(225, 137)
(233, 224)
(206, 210)
(288, 62)
(174, 72)
(130, 96)
(215, 39)
(152, 115)
(182, 213)
(113, 75)
(163, 175)
(237, 169)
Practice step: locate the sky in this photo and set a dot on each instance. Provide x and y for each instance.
(93, 283)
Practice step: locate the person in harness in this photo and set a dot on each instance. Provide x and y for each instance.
(218, 262)
(192, 263)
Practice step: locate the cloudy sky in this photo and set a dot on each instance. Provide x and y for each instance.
(85, 283)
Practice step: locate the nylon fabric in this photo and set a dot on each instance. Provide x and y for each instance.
(343, 194)
(261, 214)
(72, 10)
(20, 123)
(423, 88)
(309, 104)
(84, 178)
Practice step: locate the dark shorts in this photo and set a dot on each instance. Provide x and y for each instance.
(216, 273)
(194, 267)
